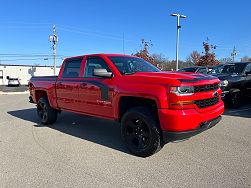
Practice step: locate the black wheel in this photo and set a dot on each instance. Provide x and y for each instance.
(235, 99)
(140, 132)
(45, 112)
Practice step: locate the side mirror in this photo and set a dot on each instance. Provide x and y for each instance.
(7, 77)
(103, 73)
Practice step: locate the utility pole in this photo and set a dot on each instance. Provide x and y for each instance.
(54, 39)
(234, 53)
(178, 38)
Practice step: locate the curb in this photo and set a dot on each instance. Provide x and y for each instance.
(13, 93)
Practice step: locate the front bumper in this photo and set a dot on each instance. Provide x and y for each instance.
(172, 136)
(188, 122)
(187, 119)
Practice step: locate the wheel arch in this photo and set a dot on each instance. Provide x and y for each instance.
(39, 94)
(127, 102)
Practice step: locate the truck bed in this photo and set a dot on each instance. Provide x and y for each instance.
(44, 78)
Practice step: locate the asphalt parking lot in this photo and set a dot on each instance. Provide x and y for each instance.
(80, 151)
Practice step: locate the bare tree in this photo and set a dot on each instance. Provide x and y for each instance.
(193, 58)
(245, 59)
(144, 52)
(226, 60)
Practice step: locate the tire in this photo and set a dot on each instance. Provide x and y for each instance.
(140, 132)
(235, 100)
(45, 112)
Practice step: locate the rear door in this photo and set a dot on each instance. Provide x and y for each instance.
(68, 84)
(95, 94)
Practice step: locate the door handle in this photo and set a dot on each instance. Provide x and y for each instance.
(83, 84)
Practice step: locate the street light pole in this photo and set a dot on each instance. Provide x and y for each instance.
(54, 39)
(178, 38)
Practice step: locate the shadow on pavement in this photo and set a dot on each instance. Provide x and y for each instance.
(21, 88)
(99, 131)
(103, 132)
(243, 111)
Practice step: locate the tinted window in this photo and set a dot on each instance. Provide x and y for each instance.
(248, 68)
(203, 71)
(72, 68)
(236, 68)
(216, 69)
(130, 65)
(189, 69)
(94, 63)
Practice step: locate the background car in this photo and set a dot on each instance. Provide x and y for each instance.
(235, 83)
(13, 82)
(196, 69)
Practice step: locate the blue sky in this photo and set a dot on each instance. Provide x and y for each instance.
(97, 26)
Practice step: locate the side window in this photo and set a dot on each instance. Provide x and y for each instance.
(94, 63)
(248, 68)
(72, 68)
(202, 70)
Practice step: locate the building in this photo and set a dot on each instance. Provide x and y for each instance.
(24, 72)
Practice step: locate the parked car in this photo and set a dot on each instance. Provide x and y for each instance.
(195, 69)
(235, 82)
(13, 82)
(153, 107)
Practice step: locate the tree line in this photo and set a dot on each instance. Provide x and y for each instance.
(206, 58)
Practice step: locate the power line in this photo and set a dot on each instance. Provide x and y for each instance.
(25, 56)
(95, 34)
(17, 55)
(89, 31)
(27, 27)
(25, 23)
(30, 59)
(22, 54)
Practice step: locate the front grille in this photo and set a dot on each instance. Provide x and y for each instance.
(208, 87)
(206, 102)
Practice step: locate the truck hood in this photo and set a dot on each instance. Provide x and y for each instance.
(226, 76)
(168, 77)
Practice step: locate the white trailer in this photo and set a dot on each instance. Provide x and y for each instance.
(24, 72)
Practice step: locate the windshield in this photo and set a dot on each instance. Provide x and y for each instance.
(130, 65)
(189, 69)
(236, 68)
(216, 69)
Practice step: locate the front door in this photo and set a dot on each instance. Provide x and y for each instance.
(67, 86)
(95, 94)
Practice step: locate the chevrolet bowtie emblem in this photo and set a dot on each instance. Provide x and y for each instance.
(215, 94)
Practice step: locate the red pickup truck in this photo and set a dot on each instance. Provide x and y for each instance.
(153, 107)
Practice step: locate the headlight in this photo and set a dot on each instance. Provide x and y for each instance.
(223, 83)
(182, 90)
